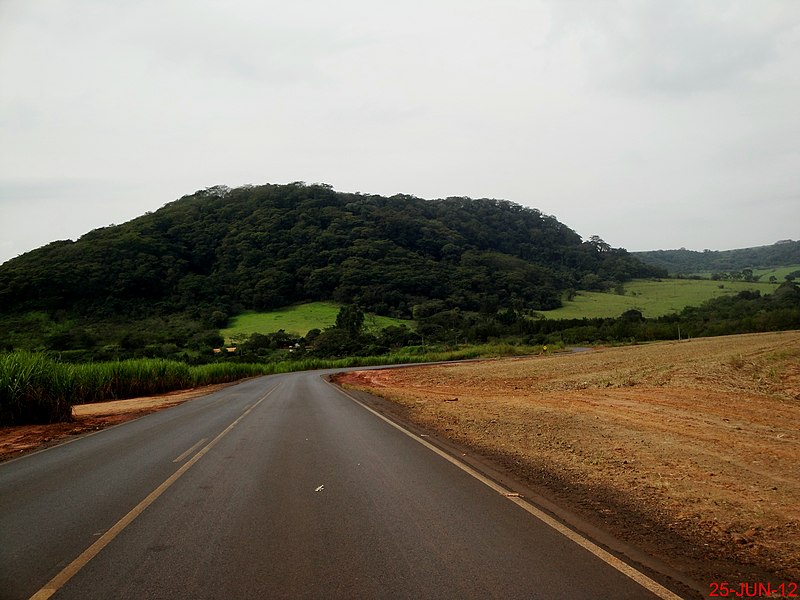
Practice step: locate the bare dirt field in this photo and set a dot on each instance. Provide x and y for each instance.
(14, 441)
(688, 450)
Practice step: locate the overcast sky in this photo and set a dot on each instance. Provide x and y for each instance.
(652, 123)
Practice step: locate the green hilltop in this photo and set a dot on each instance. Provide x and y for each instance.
(346, 274)
(176, 276)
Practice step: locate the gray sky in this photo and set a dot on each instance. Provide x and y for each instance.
(653, 124)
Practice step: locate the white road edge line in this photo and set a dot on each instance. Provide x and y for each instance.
(57, 582)
(608, 558)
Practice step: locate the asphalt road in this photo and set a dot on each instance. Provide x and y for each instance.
(279, 487)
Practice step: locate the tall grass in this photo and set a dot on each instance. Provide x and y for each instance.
(34, 389)
(95, 382)
(37, 389)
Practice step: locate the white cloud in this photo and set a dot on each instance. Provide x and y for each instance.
(682, 46)
(606, 114)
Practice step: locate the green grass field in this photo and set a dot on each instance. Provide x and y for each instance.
(764, 274)
(778, 272)
(653, 298)
(298, 320)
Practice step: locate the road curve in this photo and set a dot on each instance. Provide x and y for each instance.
(279, 487)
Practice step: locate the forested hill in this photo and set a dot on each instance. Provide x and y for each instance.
(261, 247)
(687, 262)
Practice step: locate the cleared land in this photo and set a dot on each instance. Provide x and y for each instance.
(652, 298)
(298, 319)
(778, 272)
(687, 449)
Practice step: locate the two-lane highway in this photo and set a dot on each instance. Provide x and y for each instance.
(279, 487)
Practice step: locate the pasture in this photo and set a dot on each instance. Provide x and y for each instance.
(654, 298)
(298, 319)
(778, 272)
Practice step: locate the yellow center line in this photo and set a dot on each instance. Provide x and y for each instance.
(189, 451)
(57, 582)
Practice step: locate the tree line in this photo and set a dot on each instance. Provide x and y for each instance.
(746, 312)
(687, 262)
(175, 276)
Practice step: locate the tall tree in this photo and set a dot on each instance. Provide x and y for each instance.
(350, 319)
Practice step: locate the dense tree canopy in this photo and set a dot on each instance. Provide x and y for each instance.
(686, 262)
(220, 251)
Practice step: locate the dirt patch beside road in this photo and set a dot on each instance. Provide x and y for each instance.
(15, 441)
(689, 450)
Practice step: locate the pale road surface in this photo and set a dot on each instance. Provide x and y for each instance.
(279, 487)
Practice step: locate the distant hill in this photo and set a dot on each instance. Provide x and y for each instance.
(687, 262)
(221, 251)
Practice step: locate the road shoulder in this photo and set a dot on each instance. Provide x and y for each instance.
(562, 502)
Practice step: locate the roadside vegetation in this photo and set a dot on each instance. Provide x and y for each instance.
(35, 387)
(39, 388)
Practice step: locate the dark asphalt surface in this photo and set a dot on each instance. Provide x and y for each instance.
(309, 495)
